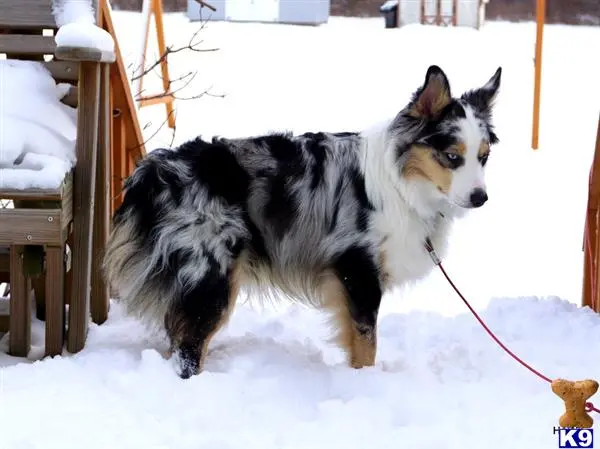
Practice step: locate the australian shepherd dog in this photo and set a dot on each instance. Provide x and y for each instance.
(333, 220)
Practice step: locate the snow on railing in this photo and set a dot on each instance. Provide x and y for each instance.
(77, 26)
(37, 131)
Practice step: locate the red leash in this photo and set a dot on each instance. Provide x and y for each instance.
(429, 247)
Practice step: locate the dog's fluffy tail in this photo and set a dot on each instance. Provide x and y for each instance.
(168, 235)
(130, 264)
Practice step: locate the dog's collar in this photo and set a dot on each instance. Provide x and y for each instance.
(429, 246)
(431, 250)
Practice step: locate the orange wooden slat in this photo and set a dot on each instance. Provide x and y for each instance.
(540, 19)
(591, 250)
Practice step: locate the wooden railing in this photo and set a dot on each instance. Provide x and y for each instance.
(127, 143)
(591, 243)
(438, 18)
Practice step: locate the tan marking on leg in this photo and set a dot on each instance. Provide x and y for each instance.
(364, 349)
(360, 347)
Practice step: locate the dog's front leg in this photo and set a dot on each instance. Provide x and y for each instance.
(354, 296)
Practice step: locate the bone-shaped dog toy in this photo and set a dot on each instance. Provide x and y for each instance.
(575, 395)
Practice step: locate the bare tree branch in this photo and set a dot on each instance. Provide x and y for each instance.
(155, 132)
(173, 85)
(207, 5)
(173, 133)
(191, 46)
(187, 78)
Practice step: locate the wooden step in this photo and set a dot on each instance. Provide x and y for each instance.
(4, 314)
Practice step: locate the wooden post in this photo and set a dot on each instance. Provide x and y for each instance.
(146, 16)
(155, 8)
(19, 336)
(119, 158)
(84, 186)
(100, 300)
(55, 299)
(454, 12)
(164, 68)
(541, 17)
(126, 135)
(591, 290)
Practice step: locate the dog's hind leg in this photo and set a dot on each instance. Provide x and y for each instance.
(196, 317)
(354, 295)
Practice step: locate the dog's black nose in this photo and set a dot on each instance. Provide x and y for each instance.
(478, 197)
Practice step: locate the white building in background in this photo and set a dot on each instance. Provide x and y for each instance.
(469, 13)
(309, 12)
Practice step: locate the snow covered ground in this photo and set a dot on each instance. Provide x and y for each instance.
(272, 380)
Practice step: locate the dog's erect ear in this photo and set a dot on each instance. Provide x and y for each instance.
(432, 97)
(484, 97)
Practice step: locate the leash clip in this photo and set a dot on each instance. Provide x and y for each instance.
(431, 251)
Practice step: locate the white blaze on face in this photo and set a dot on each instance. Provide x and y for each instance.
(469, 177)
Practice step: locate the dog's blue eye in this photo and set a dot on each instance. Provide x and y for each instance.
(453, 160)
(449, 159)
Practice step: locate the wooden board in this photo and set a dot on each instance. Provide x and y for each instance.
(26, 14)
(537, 86)
(591, 250)
(155, 8)
(27, 44)
(30, 226)
(125, 114)
(63, 71)
(4, 314)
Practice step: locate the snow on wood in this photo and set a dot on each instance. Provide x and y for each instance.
(77, 26)
(37, 131)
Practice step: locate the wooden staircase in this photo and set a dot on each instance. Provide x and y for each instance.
(54, 252)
